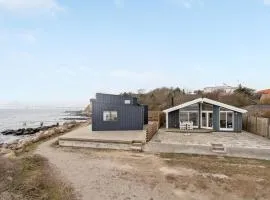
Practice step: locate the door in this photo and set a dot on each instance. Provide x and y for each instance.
(207, 119)
(226, 121)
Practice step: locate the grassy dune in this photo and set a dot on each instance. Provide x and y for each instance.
(31, 178)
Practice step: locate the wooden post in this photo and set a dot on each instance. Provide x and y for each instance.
(268, 128)
(256, 126)
(247, 124)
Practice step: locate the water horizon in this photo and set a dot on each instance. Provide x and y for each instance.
(30, 118)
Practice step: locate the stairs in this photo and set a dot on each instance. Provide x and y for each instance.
(218, 148)
(136, 146)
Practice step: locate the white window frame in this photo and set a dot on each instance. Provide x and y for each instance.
(190, 111)
(110, 112)
(207, 119)
(226, 129)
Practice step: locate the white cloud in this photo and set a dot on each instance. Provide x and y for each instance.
(267, 2)
(119, 3)
(137, 76)
(188, 3)
(198, 69)
(70, 70)
(27, 37)
(21, 5)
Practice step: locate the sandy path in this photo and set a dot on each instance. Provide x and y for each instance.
(102, 175)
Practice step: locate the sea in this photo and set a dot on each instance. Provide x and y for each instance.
(30, 118)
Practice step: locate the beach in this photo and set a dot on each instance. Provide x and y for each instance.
(30, 118)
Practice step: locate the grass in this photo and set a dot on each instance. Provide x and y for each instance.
(31, 178)
(248, 178)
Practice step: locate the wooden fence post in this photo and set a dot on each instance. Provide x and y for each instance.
(247, 124)
(256, 130)
(268, 128)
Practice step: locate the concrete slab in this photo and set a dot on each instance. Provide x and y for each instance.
(85, 137)
(236, 144)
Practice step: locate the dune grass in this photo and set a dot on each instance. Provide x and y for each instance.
(30, 177)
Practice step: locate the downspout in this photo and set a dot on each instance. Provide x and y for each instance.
(167, 120)
(200, 115)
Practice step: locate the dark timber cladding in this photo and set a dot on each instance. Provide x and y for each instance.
(117, 112)
(174, 119)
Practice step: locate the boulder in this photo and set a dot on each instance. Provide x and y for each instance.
(10, 155)
(8, 132)
(5, 151)
(35, 138)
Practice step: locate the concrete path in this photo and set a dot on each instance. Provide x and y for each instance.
(108, 174)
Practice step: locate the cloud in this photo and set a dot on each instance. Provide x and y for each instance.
(267, 2)
(27, 37)
(198, 69)
(72, 70)
(136, 76)
(119, 3)
(14, 35)
(188, 3)
(26, 5)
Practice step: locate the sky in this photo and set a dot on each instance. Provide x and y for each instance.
(63, 51)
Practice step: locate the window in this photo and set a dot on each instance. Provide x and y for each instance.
(191, 116)
(110, 116)
(222, 119)
(127, 101)
(194, 117)
(226, 120)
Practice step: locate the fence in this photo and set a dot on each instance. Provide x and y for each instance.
(156, 116)
(257, 125)
(151, 130)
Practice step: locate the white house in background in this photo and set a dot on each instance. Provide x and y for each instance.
(224, 88)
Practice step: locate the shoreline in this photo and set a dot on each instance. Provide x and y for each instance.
(21, 144)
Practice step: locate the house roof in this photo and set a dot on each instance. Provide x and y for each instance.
(264, 91)
(205, 100)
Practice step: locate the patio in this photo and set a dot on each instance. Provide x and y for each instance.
(235, 144)
(228, 139)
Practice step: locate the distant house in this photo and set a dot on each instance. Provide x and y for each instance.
(205, 113)
(265, 96)
(224, 88)
(117, 112)
(267, 91)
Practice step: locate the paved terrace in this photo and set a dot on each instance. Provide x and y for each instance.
(85, 137)
(235, 144)
(228, 139)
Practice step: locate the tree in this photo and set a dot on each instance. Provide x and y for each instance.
(245, 90)
(173, 93)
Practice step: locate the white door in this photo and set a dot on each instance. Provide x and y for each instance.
(207, 119)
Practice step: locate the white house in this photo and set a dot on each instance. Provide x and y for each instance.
(224, 88)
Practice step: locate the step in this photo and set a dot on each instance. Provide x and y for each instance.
(219, 151)
(137, 141)
(138, 144)
(136, 148)
(217, 145)
(218, 148)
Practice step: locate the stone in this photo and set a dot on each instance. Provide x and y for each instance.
(4, 151)
(10, 155)
(35, 139)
